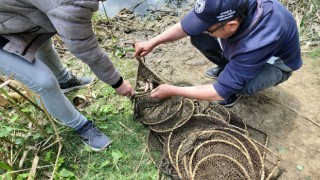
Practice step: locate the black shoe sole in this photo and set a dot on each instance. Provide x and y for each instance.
(232, 104)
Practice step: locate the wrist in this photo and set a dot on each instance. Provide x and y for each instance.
(155, 41)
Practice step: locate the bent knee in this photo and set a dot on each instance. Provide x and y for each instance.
(45, 83)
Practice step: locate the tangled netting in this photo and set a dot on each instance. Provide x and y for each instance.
(191, 139)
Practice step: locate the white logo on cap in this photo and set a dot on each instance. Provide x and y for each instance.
(226, 15)
(199, 6)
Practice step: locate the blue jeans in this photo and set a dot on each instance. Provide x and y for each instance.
(42, 77)
(267, 77)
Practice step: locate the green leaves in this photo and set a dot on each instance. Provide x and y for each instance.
(315, 53)
(107, 109)
(48, 156)
(300, 167)
(282, 149)
(120, 53)
(14, 118)
(66, 174)
(5, 131)
(105, 163)
(116, 156)
(5, 166)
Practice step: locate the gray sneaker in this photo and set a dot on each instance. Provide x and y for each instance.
(93, 137)
(75, 83)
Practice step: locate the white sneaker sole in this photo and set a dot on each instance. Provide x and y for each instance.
(74, 88)
(99, 149)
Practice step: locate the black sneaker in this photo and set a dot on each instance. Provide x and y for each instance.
(75, 83)
(93, 137)
(230, 101)
(213, 72)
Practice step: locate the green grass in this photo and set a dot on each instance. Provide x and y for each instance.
(315, 53)
(126, 157)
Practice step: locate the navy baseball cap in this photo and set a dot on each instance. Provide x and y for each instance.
(209, 12)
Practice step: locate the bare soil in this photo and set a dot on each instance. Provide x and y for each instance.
(288, 113)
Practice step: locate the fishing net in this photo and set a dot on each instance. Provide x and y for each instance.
(179, 118)
(191, 139)
(156, 112)
(186, 147)
(219, 166)
(221, 147)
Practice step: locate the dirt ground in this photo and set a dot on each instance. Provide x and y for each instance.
(288, 113)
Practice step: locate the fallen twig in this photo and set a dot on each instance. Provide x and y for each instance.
(33, 169)
(23, 170)
(295, 111)
(291, 143)
(130, 130)
(145, 149)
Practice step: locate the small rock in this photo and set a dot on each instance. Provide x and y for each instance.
(127, 30)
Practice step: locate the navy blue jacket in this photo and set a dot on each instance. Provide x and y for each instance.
(269, 30)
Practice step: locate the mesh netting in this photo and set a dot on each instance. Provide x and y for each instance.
(179, 118)
(191, 139)
(221, 147)
(219, 166)
(144, 73)
(252, 149)
(157, 155)
(196, 123)
(186, 148)
(156, 113)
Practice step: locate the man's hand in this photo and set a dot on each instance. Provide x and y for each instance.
(125, 89)
(174, 33)
(163, 91)
(143, 48)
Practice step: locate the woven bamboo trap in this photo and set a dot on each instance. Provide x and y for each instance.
(190, 139)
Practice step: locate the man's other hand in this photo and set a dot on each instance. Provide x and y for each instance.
(125, 89)
(143, 48)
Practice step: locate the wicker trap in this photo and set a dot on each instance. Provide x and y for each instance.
(151, 114)
(219, 166)
(179, 118)
(187, 148)
(191, 139)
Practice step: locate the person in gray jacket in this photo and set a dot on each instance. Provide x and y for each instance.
(28, 55)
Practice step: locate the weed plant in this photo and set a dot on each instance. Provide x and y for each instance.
(307, 14)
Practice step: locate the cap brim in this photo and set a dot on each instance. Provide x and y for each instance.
(192, 25)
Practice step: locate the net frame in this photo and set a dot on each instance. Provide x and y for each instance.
(254, 152)
(181, 157)
(223, 156)
(206, 120)
(176, 121)
(158, 114)
(244, 159)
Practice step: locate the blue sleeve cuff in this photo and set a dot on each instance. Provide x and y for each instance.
(223, 91)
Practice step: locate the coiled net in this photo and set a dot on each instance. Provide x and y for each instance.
(191, 139)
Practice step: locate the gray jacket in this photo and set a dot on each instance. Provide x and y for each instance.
(29, 23)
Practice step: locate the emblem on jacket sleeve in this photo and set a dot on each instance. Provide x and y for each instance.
(199, 6)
